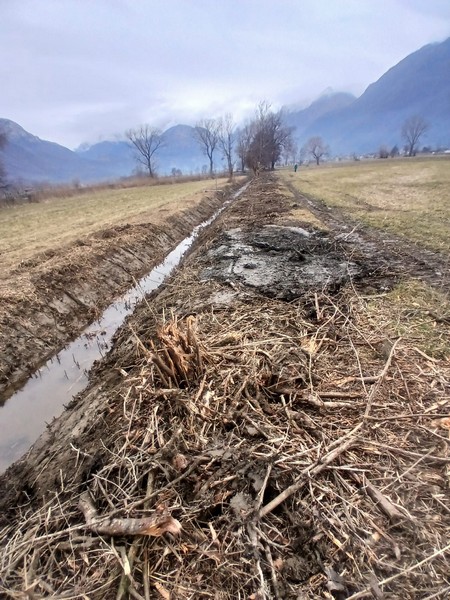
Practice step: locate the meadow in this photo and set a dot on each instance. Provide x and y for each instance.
(53, 223)
(406, 196)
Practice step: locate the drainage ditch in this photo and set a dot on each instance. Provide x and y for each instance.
(25, 414)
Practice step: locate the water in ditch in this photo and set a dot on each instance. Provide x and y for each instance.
(25, 414)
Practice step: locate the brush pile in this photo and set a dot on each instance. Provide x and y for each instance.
(261, 449)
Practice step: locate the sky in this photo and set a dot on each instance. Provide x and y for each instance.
(77, 71)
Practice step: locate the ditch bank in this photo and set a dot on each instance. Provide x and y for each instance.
(244, 438)
(47, 301)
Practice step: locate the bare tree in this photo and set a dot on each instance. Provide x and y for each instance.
(3, 141)
(244, 139)
(412, 130)
(289, 153)
(394, 151)
(207, 135)
(317, 148)
(269, 137)
(227, 137)
(146, 142)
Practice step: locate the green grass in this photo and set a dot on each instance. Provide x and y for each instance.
(409, 196)
(29, 229)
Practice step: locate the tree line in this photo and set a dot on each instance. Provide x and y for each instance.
(257, 145)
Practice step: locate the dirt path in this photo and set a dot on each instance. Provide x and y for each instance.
(258, 417)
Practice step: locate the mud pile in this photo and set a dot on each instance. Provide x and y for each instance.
(236, 445)
(279, 262)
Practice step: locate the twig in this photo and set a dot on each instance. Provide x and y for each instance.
(155, 525)
(380, 379)
(380, 499)
(367, 591)
(312, 470)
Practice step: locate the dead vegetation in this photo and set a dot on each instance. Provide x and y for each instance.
(50, 296)
(292, 450)
(302, 455)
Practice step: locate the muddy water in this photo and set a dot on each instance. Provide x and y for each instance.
(25, 414)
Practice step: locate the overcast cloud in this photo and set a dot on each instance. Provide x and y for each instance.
(82, 70)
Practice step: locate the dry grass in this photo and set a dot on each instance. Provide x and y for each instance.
(301, 459)
(297, 212)
(410, 197)
(416, 311)
(29, 229)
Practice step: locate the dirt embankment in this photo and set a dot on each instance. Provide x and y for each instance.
(255, 417)
(47, 301)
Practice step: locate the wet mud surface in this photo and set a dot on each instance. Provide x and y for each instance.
(279, 262)
(397, 253)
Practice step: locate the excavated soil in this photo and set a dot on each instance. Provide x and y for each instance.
(252, 434)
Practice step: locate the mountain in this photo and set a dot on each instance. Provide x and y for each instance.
(417, 85)
(327, 102)
(116, 157)
(181, 151)
(27, 158)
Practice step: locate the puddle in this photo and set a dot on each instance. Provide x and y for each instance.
(279, 262)
(25, 414)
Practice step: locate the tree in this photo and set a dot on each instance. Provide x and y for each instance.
(3, 141)
(394, 152)
(317, 148)
(269, 137)
(146, 142)
(290, 153)
(227, 136)
(244, 139)
(412, 130)
(207, 135)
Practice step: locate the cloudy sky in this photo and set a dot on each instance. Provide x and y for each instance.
(76, 71)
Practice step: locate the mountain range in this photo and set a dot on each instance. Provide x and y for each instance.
(28, 159)
(417, 85)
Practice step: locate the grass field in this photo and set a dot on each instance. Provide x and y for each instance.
(409, 196)
(28, 229)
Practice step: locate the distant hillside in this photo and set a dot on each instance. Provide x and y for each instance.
(326, 103)
(182, 151)
(114, 156)
(419, 84)
(27, 158)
